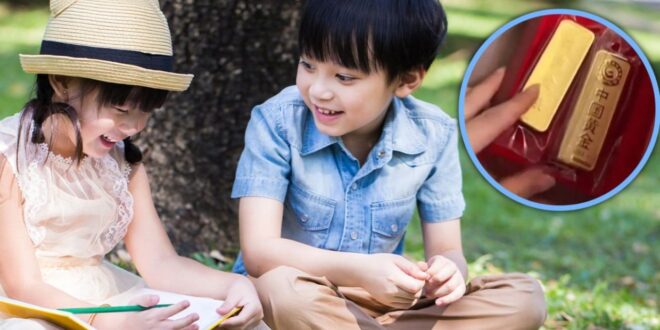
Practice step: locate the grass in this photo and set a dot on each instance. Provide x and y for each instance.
(599, 266)
(20, 32)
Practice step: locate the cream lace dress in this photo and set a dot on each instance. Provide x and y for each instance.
(74, 216)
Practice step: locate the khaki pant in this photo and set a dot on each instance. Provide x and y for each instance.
(295, 300)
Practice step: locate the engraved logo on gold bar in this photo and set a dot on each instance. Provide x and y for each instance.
(555, 70)
(593, 112)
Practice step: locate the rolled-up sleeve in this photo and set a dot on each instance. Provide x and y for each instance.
(440, 197)
(264, 167)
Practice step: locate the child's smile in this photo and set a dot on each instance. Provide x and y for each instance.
(101, 126)
(327, 116)
(345, 102)
(107, 141)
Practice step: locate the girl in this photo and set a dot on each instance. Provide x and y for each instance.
(333, 169)
(72, 184)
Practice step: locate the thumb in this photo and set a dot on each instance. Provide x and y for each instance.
(146, 300)
(489, 124)
(229, 304)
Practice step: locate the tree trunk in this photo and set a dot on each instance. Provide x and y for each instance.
(241, 52)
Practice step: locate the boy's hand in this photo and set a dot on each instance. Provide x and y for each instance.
(392, 279)
(446, 283)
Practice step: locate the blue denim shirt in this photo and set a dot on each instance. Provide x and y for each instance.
(330, 201)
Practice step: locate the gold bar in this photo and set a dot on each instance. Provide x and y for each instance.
(593, 112)
(555, 70)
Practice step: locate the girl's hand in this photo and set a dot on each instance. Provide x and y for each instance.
(391, 279)
(446, 283)
(156, 318)
(242, 294)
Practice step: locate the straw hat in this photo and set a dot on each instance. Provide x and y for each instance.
(120, 41)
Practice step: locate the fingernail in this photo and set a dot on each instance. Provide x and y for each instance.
(534, 88)
(500, 70)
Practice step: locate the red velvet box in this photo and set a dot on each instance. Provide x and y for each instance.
(626, 140)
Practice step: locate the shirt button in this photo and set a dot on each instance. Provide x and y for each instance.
(354, 235)
(395, 228)
(381, 154)
(354, 186)
(304, 218)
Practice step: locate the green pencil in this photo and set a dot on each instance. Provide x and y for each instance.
(110, 309)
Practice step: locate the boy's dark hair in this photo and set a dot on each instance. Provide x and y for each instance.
(394, 35)
(42, 107)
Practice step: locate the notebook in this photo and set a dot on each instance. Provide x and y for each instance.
(204, 307)
(19, 309)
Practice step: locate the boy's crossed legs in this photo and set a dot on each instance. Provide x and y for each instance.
(293, 299)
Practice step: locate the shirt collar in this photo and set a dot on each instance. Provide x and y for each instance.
(400, 133)
(312, 139)
(404, 134)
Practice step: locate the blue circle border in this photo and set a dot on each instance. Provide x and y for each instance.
(490, 179)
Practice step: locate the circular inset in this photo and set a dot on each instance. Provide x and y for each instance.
(573, 117)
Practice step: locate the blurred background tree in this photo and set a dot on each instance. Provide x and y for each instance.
(241, 53)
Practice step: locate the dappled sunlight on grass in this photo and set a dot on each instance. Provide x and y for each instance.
(21, 28)
(599, 266)
(20, 32)
(599, 305)
(470, 25)
(649, 42)
(445, 74)
(19, 37)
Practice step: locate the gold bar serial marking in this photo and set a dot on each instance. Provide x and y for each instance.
(593, 112)
(555, 71)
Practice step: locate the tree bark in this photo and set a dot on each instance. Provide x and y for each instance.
(241, 52)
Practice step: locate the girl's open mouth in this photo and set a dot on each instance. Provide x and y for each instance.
(107, 141)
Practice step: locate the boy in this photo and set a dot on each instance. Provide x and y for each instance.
(332, 171)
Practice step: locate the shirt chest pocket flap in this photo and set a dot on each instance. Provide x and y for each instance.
(313, 212)
(391, 218)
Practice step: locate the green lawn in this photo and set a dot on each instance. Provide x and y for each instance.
(20, 32)
(599, 266)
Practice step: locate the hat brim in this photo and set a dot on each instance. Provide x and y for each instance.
(107, 71)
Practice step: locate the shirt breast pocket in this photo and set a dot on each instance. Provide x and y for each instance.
(389, 220)
(313, 215)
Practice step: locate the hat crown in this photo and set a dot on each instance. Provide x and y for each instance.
(57, 6)
(116, 41)
(134, 25)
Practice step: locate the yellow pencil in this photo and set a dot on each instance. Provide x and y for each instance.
(224, 318)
